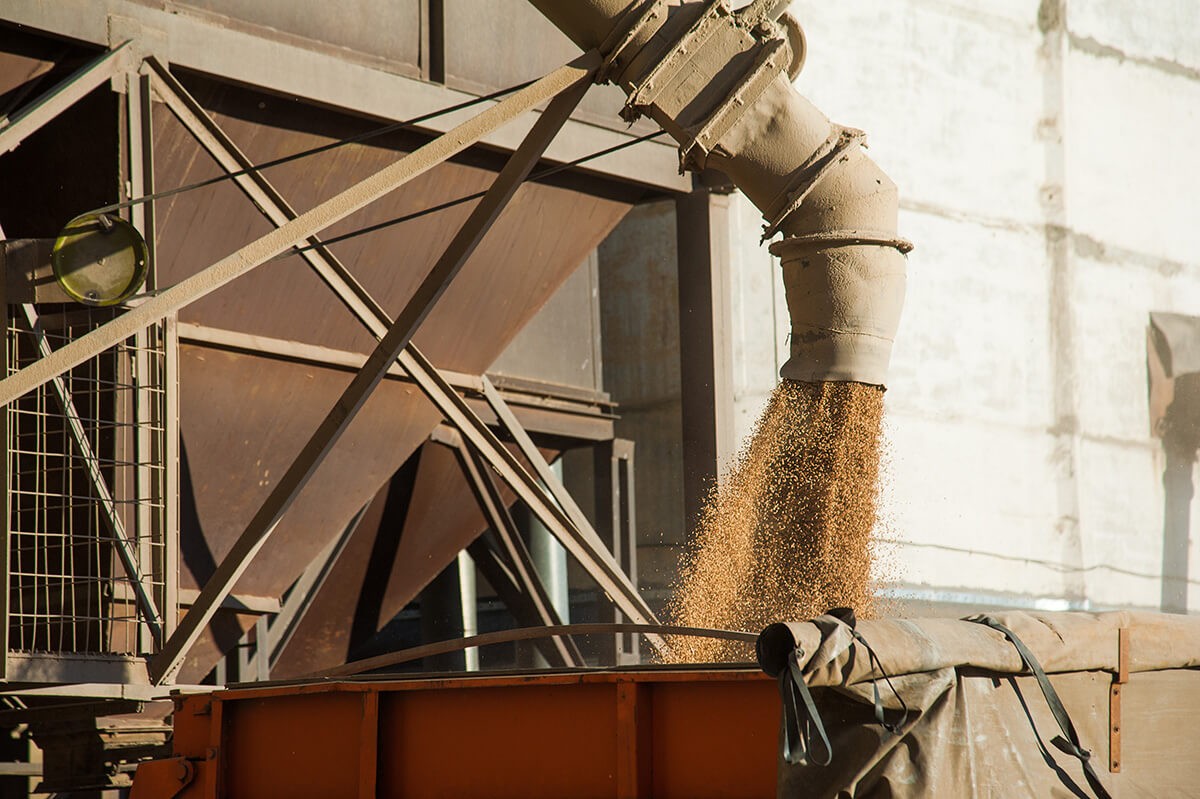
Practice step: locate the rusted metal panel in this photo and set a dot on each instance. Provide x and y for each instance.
(442, 518)
(619, 734)
(544, 234)
(243, 418)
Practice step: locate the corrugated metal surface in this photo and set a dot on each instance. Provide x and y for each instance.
(244, 417)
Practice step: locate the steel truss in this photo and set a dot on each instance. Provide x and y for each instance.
(482, 454)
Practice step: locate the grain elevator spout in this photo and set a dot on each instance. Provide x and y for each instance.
(720, 82)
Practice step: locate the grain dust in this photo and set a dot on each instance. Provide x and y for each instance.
(788, 534)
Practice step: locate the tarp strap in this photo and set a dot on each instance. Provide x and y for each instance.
(1068, 742)
(892, 727)
(791, 683)
(846, 616)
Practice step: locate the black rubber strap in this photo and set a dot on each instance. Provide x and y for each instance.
(846, 616)
(791, 683)
(880, 716)
(1068, 742)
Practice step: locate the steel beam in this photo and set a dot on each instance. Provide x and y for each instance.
(617, 522)
(541, 407)
(570, 82)
(587, 550)
(296, 231)
(61, 97)
(126, 546)
(139, 181)
(590, 553)
(524, 575)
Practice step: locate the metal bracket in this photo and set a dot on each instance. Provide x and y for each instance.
(1114, 700)
(770, 61)
(673, 60)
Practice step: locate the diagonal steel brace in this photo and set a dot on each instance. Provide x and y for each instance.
(591, 553)
(567, 85)
(64, 95)
(517, 555)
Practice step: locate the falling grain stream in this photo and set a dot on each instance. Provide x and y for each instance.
(788, 534)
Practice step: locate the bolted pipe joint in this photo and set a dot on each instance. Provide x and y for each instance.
(719, 82)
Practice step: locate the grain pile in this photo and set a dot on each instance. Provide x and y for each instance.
(789, 533)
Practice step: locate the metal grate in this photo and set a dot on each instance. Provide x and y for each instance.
(85, 488)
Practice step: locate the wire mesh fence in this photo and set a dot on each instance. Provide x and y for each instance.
(86, 488)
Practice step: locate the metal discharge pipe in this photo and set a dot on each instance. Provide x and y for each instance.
(720, 82)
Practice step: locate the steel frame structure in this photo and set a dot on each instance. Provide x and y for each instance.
(479, 447)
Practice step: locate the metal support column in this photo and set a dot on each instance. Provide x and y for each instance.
(616, 523)
(705, 343)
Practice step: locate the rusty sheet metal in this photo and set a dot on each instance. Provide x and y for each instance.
(600, 734)
(441, 519)
(243, 417)
(545, 233)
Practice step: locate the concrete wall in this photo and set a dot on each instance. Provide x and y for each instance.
(1045, 157)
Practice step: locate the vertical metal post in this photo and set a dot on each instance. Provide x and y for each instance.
(705, 344)
(170, 548)
(617, 526)
(550, 559)
(470, 606)
(145, 488)
(262, 648)
(5, 482)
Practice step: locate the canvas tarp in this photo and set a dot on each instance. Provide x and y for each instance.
(978, 724)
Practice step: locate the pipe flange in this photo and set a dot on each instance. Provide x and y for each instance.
(627, 30)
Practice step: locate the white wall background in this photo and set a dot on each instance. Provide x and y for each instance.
(1048, 168)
